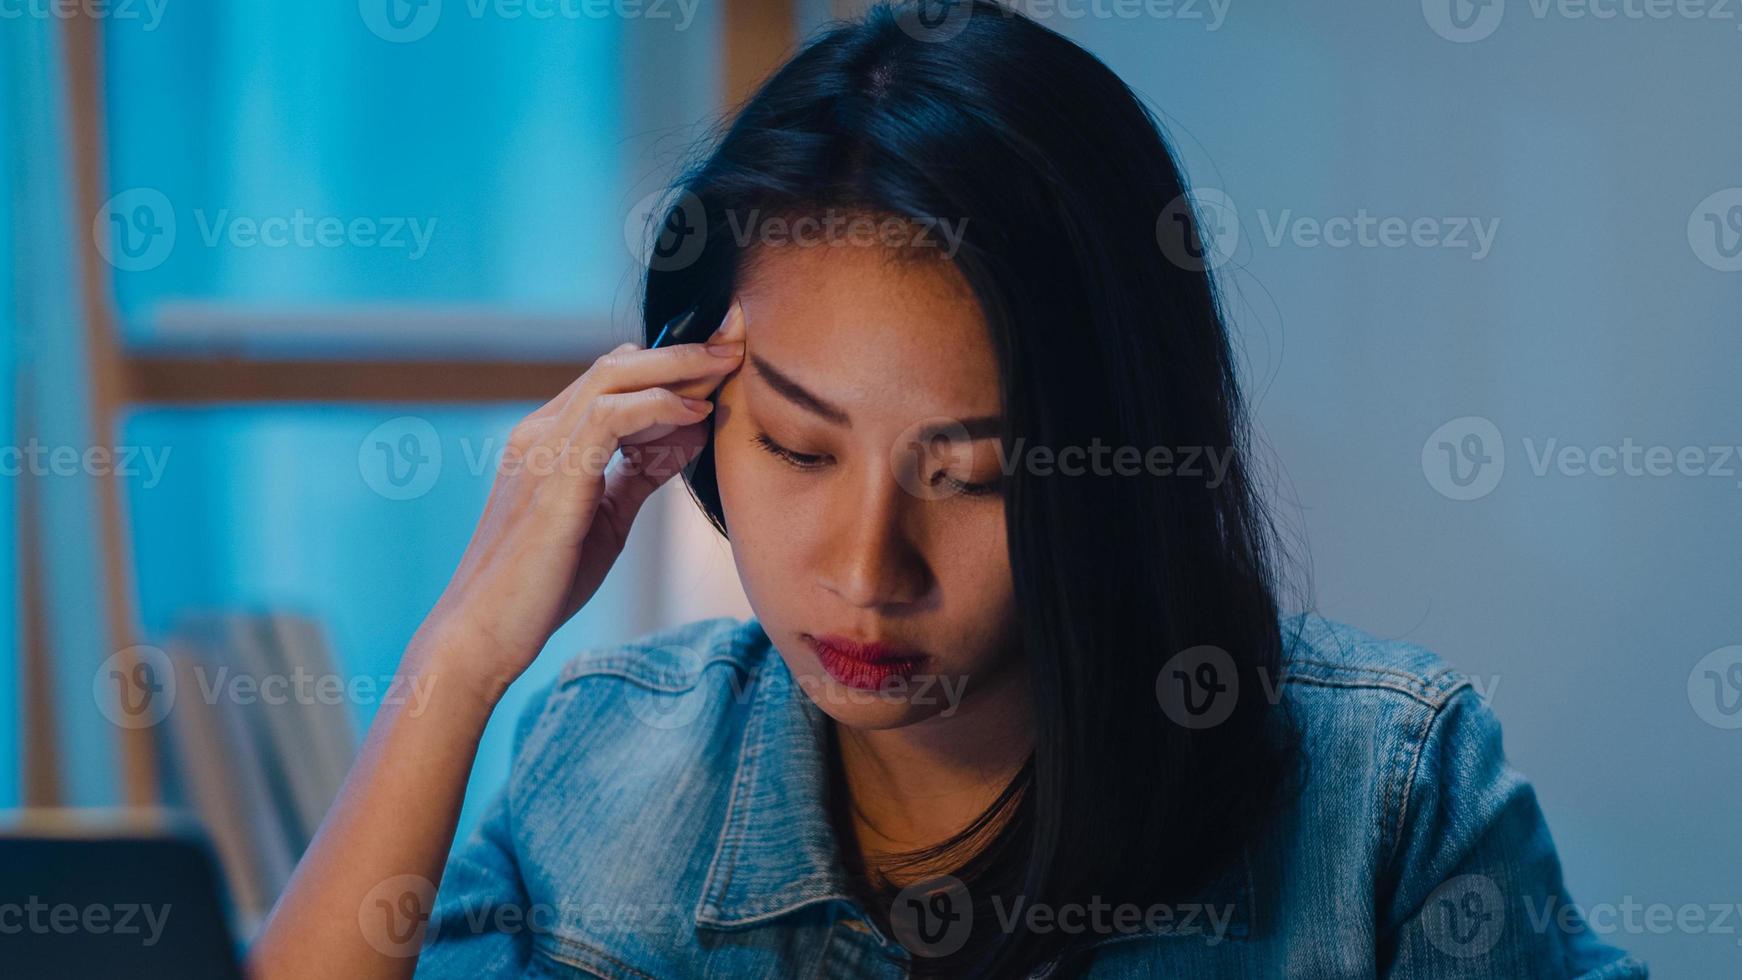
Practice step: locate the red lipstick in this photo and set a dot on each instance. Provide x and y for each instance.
(865, 666)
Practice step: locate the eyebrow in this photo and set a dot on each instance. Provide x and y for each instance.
(978, 427)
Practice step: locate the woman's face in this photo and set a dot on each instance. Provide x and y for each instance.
(846, 523)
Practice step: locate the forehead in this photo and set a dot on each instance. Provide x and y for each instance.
(868, 327)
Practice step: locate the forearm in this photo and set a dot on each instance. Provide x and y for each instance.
(391, 825)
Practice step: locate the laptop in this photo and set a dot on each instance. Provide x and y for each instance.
(111, 893)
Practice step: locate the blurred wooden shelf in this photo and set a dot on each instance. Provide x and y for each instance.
(199, 379)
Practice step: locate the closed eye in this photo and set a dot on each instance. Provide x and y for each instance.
(811, 461)
(803, 461)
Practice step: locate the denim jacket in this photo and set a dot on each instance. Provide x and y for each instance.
(664, 819)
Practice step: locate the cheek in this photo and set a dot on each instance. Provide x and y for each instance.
(765, 531)
(974, 571)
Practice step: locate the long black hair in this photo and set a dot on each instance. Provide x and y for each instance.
(1106, 333)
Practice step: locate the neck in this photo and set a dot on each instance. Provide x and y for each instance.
(916, 786)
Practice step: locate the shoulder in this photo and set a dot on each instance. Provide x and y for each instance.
(1363, 704)
(673, 658)
(636, 742)
(1407, 782)
(1395, 744)
(1325, 653)
(677, 680)
(1370, 708)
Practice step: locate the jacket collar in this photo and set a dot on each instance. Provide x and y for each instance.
(777, 852)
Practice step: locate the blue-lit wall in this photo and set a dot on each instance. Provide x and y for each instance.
(1586, 146)
(285, 509)
(11, 710)
(496, 140)
(507, 150)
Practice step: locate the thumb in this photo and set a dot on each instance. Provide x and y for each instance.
(629, 481)
(646, 467)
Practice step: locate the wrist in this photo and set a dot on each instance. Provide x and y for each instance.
(458, 663)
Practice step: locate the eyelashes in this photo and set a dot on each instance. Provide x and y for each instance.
(813, 461)
(803, 461)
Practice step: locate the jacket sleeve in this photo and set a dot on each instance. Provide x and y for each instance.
(1476, 883)
(483, 922)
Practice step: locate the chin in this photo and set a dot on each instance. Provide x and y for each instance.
(869, 710)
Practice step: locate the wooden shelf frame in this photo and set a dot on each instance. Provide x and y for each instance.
(757, 35)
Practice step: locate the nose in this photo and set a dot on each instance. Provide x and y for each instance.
(872, 558)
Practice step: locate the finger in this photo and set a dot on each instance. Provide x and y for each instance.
(695, 370)
(730, 331)
(551, 408)
(703, 363)
(727, 340)
(732, 326)
(640, 470)
(610, 419)
(634, 370)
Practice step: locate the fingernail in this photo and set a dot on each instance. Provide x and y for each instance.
(733, 319)
(698, 404)
(725, 350)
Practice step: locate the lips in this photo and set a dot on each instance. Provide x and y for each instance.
(864, 665)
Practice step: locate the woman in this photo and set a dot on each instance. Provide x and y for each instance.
(1016, 698)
